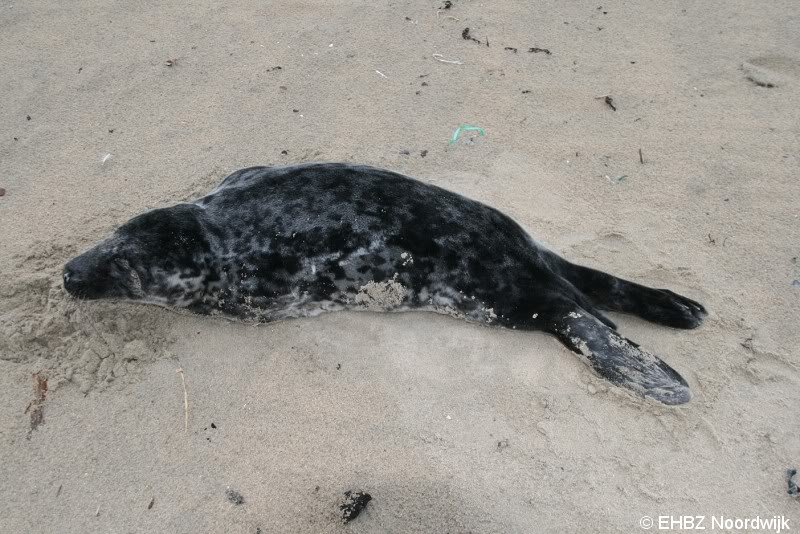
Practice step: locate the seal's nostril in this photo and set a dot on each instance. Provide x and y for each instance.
(71, 282)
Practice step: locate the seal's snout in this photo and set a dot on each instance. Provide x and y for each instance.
(88, 276)
(75, 282)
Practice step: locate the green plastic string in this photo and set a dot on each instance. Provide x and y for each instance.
(465, 128)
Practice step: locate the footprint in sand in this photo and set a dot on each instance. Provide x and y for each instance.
(772, 71)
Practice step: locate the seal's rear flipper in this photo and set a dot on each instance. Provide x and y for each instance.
(660, 306)
(619, 360)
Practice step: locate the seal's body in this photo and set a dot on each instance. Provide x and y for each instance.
(278, 242)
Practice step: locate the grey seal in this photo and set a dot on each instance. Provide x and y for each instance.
(272, 243)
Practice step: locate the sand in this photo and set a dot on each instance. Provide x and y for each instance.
(111, 108)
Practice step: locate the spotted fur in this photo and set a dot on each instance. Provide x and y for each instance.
(278, 242)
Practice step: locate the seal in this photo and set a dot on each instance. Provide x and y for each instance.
(272, 243)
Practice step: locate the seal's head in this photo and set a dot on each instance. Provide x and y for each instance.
(160, 257)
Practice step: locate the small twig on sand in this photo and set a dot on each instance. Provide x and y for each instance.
(451, 17)
(179, 370)
(641, 158)
(440, 58)
(608, 100)
(36, 406)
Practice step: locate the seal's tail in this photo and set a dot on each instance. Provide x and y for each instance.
(608, 292)
(619, 360)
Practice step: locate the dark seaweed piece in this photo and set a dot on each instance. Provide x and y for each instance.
(354, 504)
(761, 84)
(234, 496)
(467, 36)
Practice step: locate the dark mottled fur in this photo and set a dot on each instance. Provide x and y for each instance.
(276, 242)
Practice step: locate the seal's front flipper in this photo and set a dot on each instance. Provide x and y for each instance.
(619, 360)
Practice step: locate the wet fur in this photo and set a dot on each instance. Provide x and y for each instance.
(277, 242)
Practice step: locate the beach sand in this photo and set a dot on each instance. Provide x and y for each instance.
(112, 108)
